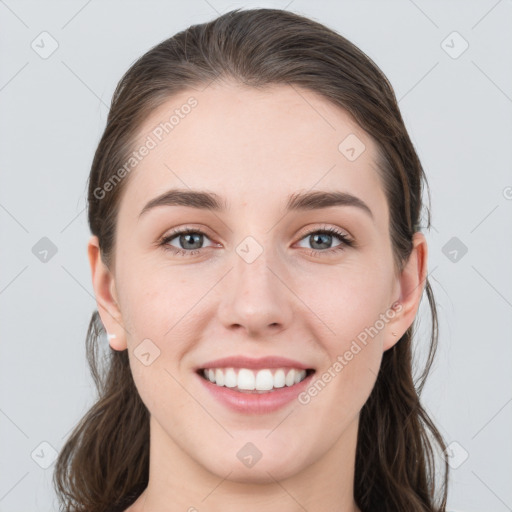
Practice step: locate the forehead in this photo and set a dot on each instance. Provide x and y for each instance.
(253, 146)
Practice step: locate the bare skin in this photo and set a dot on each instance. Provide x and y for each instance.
(254, 148)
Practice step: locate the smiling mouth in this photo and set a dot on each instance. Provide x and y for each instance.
(245, 380)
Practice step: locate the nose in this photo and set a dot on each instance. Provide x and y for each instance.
(257, 297)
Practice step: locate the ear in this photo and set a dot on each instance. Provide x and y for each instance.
(411, 284)
(106, 296)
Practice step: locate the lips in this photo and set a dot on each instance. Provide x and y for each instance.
(255, 363)
(255, 385)
(243, 373)
(255, 402)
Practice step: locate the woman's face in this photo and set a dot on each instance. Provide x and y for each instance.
(254, 279)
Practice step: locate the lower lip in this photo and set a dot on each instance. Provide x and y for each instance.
(256, 403)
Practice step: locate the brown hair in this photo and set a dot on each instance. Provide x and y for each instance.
(104, 465)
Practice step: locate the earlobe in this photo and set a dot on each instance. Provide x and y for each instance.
(106, 298)
(411, 283)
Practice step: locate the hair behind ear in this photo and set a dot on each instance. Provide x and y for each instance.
(118, 423)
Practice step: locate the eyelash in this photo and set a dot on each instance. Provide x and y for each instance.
(345, 241)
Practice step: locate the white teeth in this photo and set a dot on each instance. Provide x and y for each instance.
(230, 379)
(279, 379)
(248, 380)
(264, 380)
(219, 377)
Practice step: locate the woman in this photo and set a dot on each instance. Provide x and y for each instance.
(254, 204)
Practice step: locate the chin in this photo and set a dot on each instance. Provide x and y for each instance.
(260, 474)
(252, 465)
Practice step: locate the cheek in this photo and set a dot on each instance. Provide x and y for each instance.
(157, 298)
(165, 317)
(349, 303)
(353, 307)
(159, 313)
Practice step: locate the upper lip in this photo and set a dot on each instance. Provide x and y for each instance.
(247, 362)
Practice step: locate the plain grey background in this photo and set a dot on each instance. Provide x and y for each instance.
(455, 94)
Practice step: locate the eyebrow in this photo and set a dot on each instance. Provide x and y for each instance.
(300, 201)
